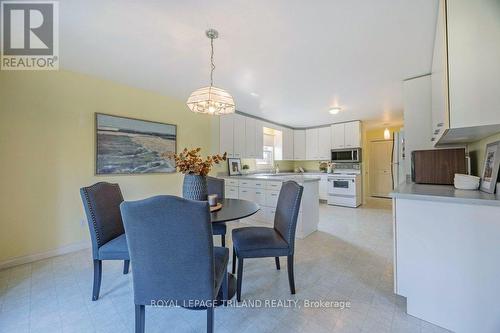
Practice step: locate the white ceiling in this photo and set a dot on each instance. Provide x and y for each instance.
(283, 60)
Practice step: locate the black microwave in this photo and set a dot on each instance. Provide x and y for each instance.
(346, 155)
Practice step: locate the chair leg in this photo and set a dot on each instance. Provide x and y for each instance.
(210, 319)
(234, 261)
(126, 265)
(225, 289)
(291, 280)
(239, 279)
(223, 240)
(97, 279)
(140, 318)
(277, 259)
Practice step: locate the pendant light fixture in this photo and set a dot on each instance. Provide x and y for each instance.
(387, 134)
(211, 100)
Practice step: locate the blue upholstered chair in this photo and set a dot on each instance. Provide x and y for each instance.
(216, 186)
(171, 247)
(262, 242)
(102, 207)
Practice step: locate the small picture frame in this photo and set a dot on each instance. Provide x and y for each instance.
(234, 166)
(489, 175)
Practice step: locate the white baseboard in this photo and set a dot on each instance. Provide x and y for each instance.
(44, 255)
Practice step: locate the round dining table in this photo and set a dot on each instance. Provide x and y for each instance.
(232, 210)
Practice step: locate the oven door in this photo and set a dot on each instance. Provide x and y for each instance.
(342, 186)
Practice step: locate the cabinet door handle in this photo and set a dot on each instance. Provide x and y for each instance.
(440, 124)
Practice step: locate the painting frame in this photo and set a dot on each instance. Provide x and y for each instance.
(234, 166)
(491, 166)
(98, 172)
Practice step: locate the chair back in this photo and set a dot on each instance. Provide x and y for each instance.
(216, 186)
(101, 202)
(171, 249)
(287, 211)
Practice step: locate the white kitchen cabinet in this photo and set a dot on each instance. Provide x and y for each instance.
(226, 135)
(288, 150)
(266, 193)
(439, 81)
(250, 138)
(259, 139)
(352, 134)
(323, 187)
(466, 72)
(337, 135)
(239, 135)
(299, 145)
(417, 105)
(312, 152)
(324, 143)
(231, 192)
(346, 135)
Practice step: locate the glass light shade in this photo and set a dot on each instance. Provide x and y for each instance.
(334, 110)
(387, 134)
(211, 100)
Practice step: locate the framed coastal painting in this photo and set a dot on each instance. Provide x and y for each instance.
(490, 169)
(133, 146)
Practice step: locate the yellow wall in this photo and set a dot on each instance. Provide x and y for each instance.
(47, 153)
(477, 150)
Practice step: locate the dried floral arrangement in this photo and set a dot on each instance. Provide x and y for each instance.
(190, 161)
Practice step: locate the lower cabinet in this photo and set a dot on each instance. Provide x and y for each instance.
(265, 194)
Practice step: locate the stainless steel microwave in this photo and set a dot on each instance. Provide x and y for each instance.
(346, 155)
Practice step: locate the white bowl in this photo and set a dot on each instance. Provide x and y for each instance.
(466, 182)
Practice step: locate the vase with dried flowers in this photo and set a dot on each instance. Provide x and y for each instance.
(195, 170)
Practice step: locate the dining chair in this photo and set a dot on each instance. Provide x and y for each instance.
(216, 186)
(101, 202)
(263, 242)
(171, 247)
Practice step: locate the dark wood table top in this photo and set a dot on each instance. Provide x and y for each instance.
(234, 209)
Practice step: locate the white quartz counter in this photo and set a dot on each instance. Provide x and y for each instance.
(445, 193)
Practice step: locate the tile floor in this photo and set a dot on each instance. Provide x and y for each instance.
(350, 258)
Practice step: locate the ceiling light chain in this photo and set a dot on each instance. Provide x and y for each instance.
(212, 61)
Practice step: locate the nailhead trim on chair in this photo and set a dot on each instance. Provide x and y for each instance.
(92, 213)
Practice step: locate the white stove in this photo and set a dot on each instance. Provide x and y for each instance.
(344, 188)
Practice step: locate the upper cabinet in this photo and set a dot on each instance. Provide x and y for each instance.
(324, 143)
(250, 138)
(239, 136)
(337, 135)
(287, 143)
(346, 135)
(299, 145)
(466, 71)
(259, 139)
(352, 134)
(243, 137)
(312, 152)
(226, 132)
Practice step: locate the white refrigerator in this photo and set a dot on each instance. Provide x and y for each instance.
(398, 159)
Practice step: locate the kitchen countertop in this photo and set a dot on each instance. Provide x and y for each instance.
(446, 193)
(299, 178)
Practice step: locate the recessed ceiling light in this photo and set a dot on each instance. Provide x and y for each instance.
(334, 110)
(254, 94)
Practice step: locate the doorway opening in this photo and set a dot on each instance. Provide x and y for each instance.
(380, 168)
